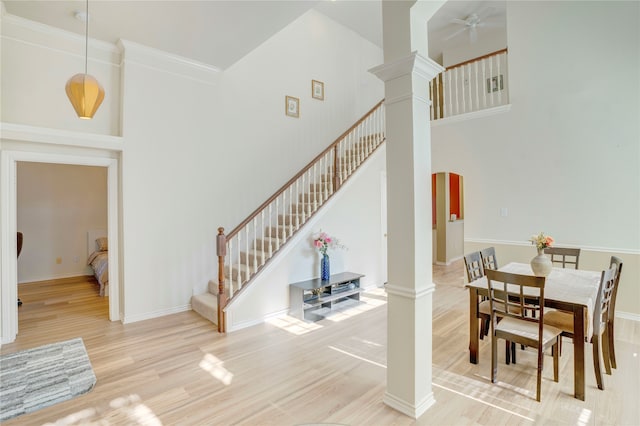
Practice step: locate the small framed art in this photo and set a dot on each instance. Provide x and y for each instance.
(292, 106)
(317, 89)
(492, 84)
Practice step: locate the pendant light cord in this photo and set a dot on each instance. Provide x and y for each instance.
(86, 37)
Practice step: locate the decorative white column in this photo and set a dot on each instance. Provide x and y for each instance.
(410, 286)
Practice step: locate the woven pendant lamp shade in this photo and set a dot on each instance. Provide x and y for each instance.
(85, 94)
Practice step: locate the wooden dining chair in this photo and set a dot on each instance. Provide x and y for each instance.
(509, 295)
(489, 259)
(600, 337)
(564, 256)
(473, 266)
(617, 262)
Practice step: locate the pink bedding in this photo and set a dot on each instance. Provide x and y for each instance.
(98, 260)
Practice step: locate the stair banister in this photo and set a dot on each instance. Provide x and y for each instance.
(300, 173)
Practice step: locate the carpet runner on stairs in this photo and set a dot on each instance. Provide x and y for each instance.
(206, 304)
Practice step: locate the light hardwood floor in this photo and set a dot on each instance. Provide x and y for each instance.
(176, 370)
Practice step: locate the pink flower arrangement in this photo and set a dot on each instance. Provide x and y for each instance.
(323, 242)
(542, 241)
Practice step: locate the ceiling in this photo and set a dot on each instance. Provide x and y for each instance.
(220, 32)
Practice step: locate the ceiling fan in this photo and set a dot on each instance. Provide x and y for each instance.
(471, 24)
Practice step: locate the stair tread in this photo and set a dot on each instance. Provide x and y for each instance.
(252, 251)
(206, 305)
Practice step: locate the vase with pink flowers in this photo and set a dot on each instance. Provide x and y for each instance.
(323, 242)
(541, 264)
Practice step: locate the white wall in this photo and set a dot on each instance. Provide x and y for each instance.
(253, 94)
(486, 43)
(37, 61)
(57, 204)
(566, 159)
(203, 150)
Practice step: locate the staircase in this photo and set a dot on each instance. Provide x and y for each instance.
(245, 251)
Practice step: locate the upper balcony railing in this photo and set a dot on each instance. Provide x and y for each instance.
(470, 86)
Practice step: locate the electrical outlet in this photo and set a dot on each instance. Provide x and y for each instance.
(58, 260)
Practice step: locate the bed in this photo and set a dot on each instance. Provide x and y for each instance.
(98, 259)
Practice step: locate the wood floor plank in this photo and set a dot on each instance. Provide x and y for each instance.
(177, 370)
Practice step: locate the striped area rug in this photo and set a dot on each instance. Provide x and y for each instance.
(43, 376)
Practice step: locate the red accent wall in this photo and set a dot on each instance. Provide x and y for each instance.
(454, 194)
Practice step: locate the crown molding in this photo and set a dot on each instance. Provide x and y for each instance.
(163, 61)
(45, 36)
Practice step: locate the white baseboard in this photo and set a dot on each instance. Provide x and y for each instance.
(409, 409)
(449, 262)
(56, 277)
(231, 327)
(126, 319)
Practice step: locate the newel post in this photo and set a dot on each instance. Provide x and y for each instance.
(221, 251)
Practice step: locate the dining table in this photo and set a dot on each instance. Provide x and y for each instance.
(570, 290)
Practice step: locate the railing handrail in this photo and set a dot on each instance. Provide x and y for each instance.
(284, 187)
(479, 58)
(470, 86)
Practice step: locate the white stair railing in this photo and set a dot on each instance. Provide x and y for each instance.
(470, 86)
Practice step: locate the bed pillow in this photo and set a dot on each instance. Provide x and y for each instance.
(102, 244)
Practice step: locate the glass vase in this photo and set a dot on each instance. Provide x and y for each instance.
(324, 268)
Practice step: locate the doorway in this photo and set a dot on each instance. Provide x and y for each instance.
(447, 203)
(61, 209)
(8, 259)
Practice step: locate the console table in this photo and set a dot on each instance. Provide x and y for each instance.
(310, 295)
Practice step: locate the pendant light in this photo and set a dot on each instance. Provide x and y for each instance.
(83, 90)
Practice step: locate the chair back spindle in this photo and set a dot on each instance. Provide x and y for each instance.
(603, 302)
(566, 257)
(473, 266)
(617, 262)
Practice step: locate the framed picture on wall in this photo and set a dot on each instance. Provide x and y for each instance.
(492, 84)
(317, 90)
(292, 106)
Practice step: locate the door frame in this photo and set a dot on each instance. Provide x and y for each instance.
(8, 226)
(383, 226)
